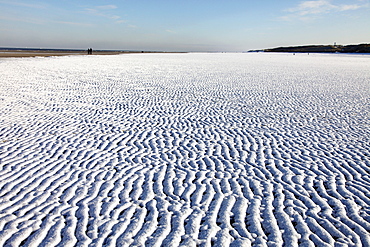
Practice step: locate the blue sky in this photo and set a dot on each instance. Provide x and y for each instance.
(202, 25)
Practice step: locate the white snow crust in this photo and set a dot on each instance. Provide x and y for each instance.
(185, 150)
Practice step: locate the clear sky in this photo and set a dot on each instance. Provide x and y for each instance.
(182, 25)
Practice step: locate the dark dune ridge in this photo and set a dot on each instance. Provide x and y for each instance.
(361, 48)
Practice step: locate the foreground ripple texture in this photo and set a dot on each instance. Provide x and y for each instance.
(185, 150)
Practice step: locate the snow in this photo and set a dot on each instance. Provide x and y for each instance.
(185, 150)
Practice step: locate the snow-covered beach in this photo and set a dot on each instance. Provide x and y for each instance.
(185, 150)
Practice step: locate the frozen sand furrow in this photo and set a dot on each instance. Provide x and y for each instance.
(185, 149)
(30, 193)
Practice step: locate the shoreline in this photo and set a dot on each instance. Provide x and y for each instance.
(12, 53)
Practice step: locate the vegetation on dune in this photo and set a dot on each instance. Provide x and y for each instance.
(360, 48)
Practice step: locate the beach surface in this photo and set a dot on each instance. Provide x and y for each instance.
(185, 150)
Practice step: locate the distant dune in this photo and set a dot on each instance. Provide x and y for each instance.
(361, 48)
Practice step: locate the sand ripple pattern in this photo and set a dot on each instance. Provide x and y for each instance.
(185, 150)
